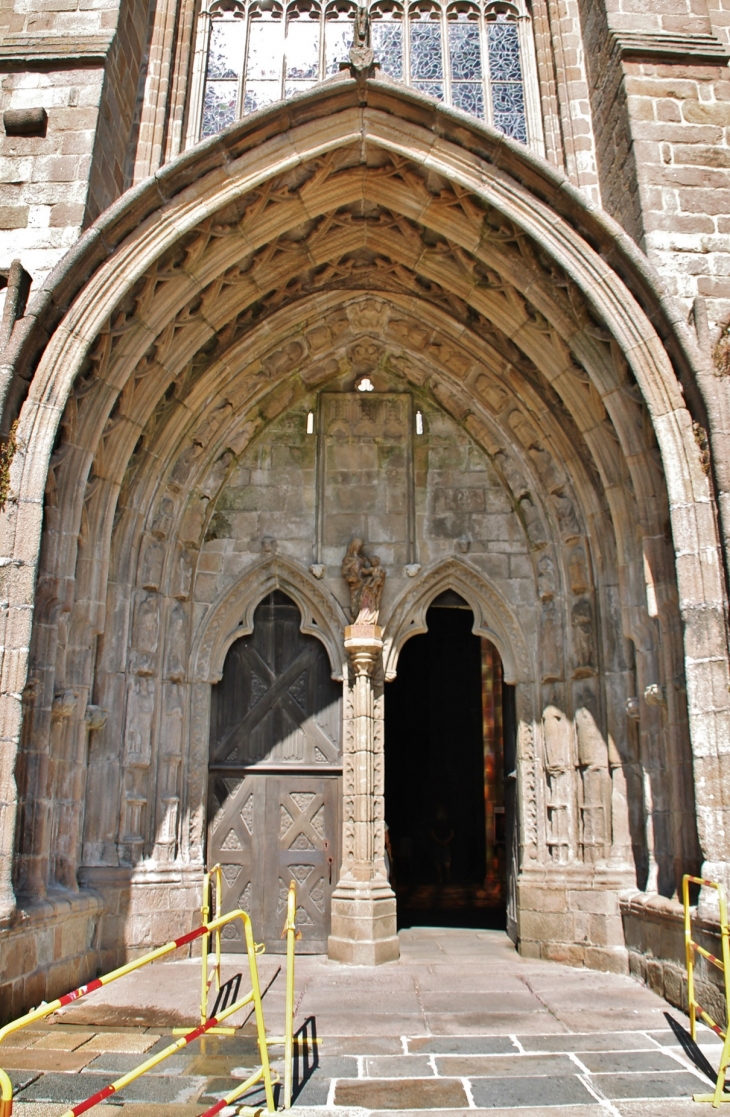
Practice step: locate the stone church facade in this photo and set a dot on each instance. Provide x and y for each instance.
(449, 278)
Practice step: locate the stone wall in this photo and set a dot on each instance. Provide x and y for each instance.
(47, 949)
(44, 179)
(654, 932)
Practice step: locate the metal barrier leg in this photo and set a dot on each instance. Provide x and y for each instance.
(694, 1007)
(258, 1009)
(689, 958)
(291, 927)
(6, 1095)
(212, 1025)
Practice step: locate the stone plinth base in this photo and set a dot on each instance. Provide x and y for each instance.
(572, 916)
(654, 930)
(47, 948)
(363, 924)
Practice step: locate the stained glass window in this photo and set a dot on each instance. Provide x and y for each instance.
(225, 60)
(387, 37)
(302, 48)
(465, 61)
(505, 71)
(426, 49)
(339, 31)
(464, 52)
(264, 56)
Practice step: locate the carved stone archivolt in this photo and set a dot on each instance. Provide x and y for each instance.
(492, 617)
(232, 615)
(243, 299)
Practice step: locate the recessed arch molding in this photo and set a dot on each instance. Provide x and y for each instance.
(183, 343)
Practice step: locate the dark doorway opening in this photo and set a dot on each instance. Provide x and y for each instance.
(444, 775)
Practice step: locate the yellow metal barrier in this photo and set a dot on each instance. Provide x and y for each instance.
(290, 930)
(211, 903)
(691, 948)
(206, 1026)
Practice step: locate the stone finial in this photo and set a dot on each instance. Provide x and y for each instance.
(361, 62)
(366, 579)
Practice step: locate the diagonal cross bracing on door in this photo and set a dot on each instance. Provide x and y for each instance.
(276, 694)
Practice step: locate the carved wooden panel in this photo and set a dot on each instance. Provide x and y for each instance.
(277, 703)
(274, 779)
(266, 830)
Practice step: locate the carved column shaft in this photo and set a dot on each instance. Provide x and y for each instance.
(363, 660)
(363, 904)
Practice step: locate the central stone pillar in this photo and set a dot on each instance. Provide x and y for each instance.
(363, 903)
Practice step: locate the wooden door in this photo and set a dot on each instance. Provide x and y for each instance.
(275, 778)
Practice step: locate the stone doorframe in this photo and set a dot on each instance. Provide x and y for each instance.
(363, 904)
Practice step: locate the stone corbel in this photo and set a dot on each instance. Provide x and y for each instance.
(63, 706)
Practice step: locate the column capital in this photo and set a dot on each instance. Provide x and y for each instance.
(364, 643)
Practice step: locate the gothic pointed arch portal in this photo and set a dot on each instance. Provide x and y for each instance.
(188, 411)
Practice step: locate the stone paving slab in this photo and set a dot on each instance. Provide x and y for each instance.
(412, 1093)
(398, 1066)
(62, 1040)
(592, 1041)
(496, 1023)
(31, 1059)
(128, 1041)
(386, 1045)
(118, 1063)
(463, 1045)
(492, 1066)
(515, 1091)
(674, 1085)
(620, 1062)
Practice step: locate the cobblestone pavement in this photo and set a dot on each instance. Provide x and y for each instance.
(461, 1024)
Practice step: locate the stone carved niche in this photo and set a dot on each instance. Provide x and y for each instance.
(559, 766)
(194, 518)
(146, 635)
(138, 727)
(152, 563)
(595, 808)
(581, 619)
(171, 745)
(216, 474)
(545, 578)
(163, 520)
(182, 573)
(578, 571)
(176, 643)
(184, 465)
(567, 520)
(551, 642)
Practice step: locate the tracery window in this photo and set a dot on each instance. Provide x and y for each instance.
(477, 55)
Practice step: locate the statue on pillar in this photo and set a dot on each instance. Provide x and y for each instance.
(365, 578)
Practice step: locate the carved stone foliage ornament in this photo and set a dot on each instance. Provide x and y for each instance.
(365, 578)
